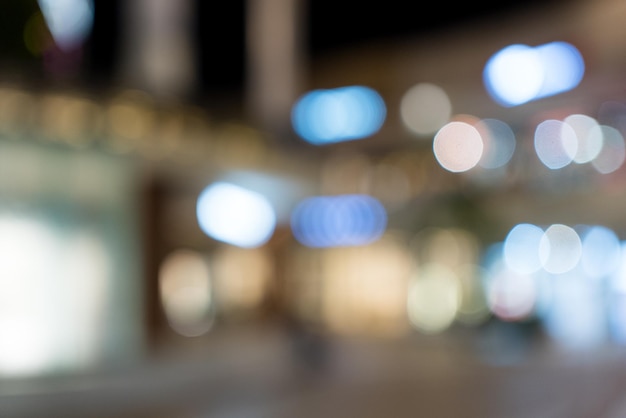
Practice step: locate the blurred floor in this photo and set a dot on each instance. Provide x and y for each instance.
(253, 373)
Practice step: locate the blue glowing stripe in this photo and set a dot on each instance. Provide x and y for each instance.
(336, 115)
(336, 221)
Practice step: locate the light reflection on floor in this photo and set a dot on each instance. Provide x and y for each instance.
(259, 372)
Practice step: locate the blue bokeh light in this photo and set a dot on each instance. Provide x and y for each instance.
(334, 221)
(334, 115)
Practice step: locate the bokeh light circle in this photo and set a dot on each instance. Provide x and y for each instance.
(458, 146)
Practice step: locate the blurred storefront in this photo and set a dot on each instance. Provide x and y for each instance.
(136, 224)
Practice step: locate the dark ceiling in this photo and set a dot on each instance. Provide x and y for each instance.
(220, 33)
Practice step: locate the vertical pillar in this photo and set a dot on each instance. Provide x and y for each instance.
(159, 55)
(275, 57)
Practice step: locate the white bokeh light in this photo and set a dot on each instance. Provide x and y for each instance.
(514, 75)
(589, 145)
(555, 143)
(235, 215)
(560, 249)
(458, 146)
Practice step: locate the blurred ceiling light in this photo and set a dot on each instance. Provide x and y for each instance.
(458, 146)
(555, 143)
(519, 73)
(333, 221)
(235, 215)
(425, 108)
(69, 21)
(335, 115)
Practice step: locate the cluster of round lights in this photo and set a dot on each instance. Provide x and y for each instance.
(579, 139)
(570, 278)
(514, 75)
(559, 249)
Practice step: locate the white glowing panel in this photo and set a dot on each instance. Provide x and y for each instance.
(335, 115)
(69, 21)
(343, 220)
(519, 73)
(52, 290)
(458, 146)
(235, 215)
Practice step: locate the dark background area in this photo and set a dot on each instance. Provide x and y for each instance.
(220, 33)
